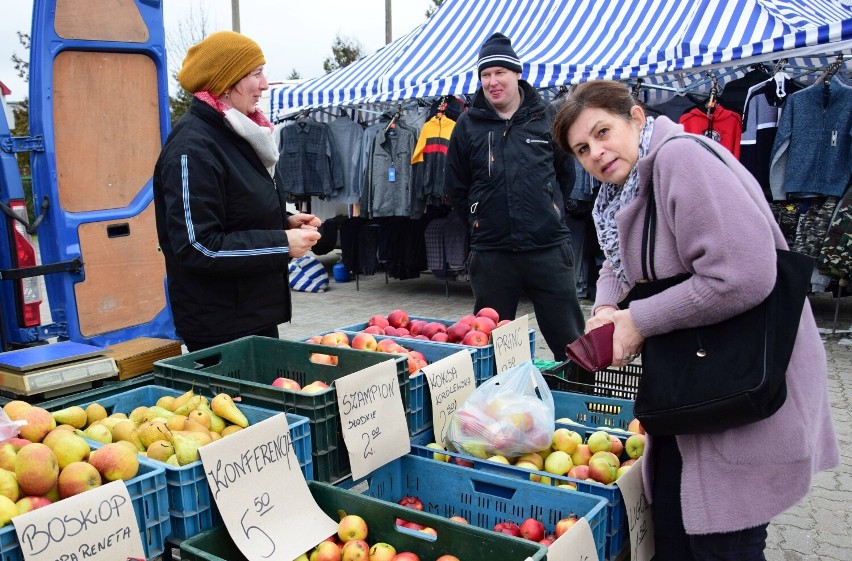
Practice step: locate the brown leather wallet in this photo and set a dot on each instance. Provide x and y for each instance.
(593, 351)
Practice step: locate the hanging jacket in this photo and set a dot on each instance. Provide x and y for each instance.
(507, 178)
(430, 157)
(220, 225)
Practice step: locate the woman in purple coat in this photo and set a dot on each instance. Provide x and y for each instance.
(714, 493)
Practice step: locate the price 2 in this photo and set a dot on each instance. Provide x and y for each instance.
(445, 418)
(366, 437)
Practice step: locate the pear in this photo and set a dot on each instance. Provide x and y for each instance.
(172, 461)
(152, 431)
(138, 415)
(188, 406)
(110, 422)
(156, 411)
(217, 423)
(95, 412)
(215, 435)
(225, 407)
(194, 426)
(201, 417)
(161, 450)
(120, 416)
(201, 438)
(98, 433)
(186, 449)
(230, 429)
(167, 402)
(74, 416)
(126, 430)
(176, 422)
(183, 398)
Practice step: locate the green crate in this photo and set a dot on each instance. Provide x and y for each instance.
(245, 368)
(465, 541)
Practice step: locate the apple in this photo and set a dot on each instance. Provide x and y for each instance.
(503, 322)
(445, 558)
(415, 325)
(398, 318)
(378, 320)
(534, 477)
(386, 346)
(565, 524)
(489, 313)
(558, 463)
(440, 337)
(422, 337)
(391, 331)
(319, 358)
(522, 421)
(413, 526)
(546, 542)
(617, 446)
(581, 455)
(462, 462)
(507, 528)
(458, 519)
(364, 342)
(402, 332)
(570, 486)
(382, 551)
(599, 441)
(374, 330)
(499, 459)
(636, 427)
(475, 339)
(431, 328)
(436, 456)
(468, 319)
(613, 459)
(532, 457)
(355, 550)
(411, 502)
(483, 324)
(580, 472)
(635, 446)
(430, 531)
(405, 556)
(334, 338)
(286, 383)
(532, 530)
(352, 527)
(621, 471)
(602, 470)
(566, 440)
(457, 331)
(326, 551)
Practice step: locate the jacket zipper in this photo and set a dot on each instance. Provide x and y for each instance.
(490, 152)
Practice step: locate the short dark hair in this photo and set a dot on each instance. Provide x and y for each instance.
(610, 95)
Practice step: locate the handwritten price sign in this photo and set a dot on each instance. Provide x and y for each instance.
(261, 493)
(99, 525)
(511, 344)
(577, 544)
(639, 517)
(372, 417)
(451, 381)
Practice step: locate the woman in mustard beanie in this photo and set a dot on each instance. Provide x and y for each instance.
(221, 219)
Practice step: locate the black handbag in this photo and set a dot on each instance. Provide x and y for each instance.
(716, 377)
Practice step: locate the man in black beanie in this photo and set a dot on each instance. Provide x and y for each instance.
(508, 180)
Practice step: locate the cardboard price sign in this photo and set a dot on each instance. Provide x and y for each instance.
(99, 525)
(511, 344)
(372, 416)
(639, 514)
(261, 493)
(577, 544)
(451, 381)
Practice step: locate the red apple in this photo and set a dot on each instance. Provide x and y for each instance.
(335, 338)
(475, 339)
(352, 527)
(440, 338)
(355, 550)
(413, 526)
(326, 550)
(386, 346)
(415, 325)
(462, 462)
(458, 519)
(457, 331)
(617, 446)
(374, 330)
(287, 384)
(602, 470)
(483, 324)
(430, 531)
(503, 322)
(431, 328)
(489, 313)
(508, 528)
(636, 427)
(378, 320)
(532, 530)
(422, 337)
(391, 331)
(319, 358)
(364, 342)
(417, 354)
(402, 332)
(579, 472)
(315, 340)
(546, 542)
(398, 318)
(405, 556)
(447, 558)
(565, 524)
(468, 319)
(411, 502)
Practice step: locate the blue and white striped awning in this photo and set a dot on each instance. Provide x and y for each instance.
(570, 41)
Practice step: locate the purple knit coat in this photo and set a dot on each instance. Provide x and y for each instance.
(713, 222)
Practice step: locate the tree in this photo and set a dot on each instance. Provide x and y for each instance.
(344, 51)
(294, 75)
(21, 126)
(432, 9)
(191, 30)
(22, 67)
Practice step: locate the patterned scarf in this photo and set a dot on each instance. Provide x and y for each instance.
(612, 198)
(255, 128)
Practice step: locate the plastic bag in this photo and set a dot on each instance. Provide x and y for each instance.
(8, 427)
(509, 415)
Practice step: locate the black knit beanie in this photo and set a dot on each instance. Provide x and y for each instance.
(497, 51)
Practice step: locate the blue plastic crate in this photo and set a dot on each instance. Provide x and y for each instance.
(150, 504)
(419, 412)
(616, 516)
(483, 499)
(191, 504)
(592, 410)
(484, 366)
(109, 387)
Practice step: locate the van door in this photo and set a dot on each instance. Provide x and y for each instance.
(99, 98)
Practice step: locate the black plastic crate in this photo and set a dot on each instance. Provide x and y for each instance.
(620, 383)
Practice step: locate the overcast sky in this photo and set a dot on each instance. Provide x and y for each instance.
(292, 33)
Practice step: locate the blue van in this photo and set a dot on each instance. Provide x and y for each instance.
(99, 114)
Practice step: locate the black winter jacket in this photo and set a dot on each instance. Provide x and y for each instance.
(220, 225)
(507, 178)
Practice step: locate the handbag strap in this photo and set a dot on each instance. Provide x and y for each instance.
(649, 231)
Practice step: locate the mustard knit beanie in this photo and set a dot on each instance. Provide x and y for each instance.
(218, 62)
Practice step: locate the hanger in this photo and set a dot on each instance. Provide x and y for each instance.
(442, 106)
(634, 92)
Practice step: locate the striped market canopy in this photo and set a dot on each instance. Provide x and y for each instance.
(664, 42)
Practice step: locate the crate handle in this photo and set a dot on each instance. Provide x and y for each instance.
(490, 488)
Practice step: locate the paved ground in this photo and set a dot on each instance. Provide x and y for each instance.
(820, 527)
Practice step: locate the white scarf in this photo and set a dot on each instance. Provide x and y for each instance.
(612, 198)
(260, 137)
